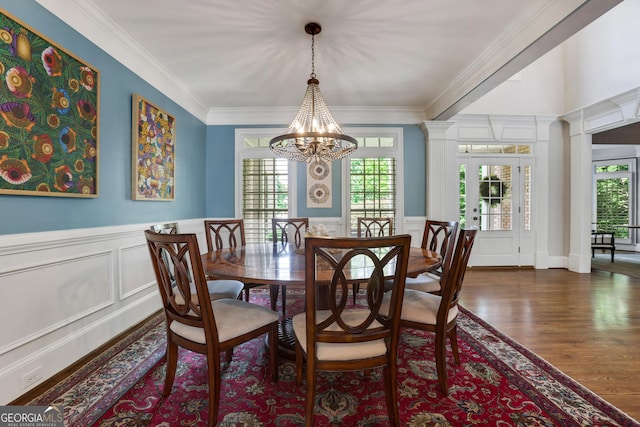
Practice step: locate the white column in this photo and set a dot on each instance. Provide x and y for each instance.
(542, 191)
(442, 172)
(580, 194)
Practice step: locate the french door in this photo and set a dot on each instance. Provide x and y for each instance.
(496, 198)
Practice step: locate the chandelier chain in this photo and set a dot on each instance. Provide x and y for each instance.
(313, 56)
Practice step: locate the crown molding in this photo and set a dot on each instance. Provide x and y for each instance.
(544, 26)
(87, 20)
(610, 113)
(343, 115)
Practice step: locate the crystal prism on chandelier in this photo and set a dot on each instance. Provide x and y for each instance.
(313, 134)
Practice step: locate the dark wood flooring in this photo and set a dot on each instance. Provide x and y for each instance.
(586, 325)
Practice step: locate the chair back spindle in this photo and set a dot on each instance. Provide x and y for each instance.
(375, 227)
(287, 230)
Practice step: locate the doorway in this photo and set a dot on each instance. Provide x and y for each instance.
(495, 197)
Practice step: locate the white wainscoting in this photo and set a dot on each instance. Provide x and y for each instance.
(64, 293)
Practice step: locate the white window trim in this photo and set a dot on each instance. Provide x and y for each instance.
(242, 152)
(397, 151)
(630, 174)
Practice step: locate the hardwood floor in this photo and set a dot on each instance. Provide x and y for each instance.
(586, 325)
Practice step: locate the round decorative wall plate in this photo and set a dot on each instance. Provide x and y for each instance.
(319, 193)
(319, 169)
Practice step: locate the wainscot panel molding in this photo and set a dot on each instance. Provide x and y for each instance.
(413, 225)
(67, 292)
(85, 282)
(133, 279)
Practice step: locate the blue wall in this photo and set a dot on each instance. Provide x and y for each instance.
(21, 214)
(221, 175)
(204, 166)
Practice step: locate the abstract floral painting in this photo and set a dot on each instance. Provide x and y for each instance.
(153, 152)
(48, 116)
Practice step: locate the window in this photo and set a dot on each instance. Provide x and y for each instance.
(613, 195)
(265, 192)
(496, 187)
(266, 184)
(496, 204)
(462, 185)
(372, 188)
(373, 176)
(477, 148)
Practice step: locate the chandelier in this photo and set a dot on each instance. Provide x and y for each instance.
(313, 134)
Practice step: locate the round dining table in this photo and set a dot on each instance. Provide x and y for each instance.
(283, 264)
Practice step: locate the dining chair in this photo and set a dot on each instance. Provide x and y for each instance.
(227, 233)
(347, 338)
(375, 227)
(218, 289)
(372, 227)
(286, 230)
(438, 236)
(439, 313)
(195, 322)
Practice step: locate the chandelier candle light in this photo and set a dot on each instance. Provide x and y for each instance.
(313, 134)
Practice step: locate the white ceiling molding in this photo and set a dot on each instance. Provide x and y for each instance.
(107, 35)
(531, 30)
(619, 110)
(523, 42)
(343, 115)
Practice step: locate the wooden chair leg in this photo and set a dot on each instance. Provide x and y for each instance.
(273, 352)
(441, 362)
(299, 363)
(213, 368)
(284, 301)
(453, 340)
(310, 395)
(273, 296)
(172, 363)
(391, 387)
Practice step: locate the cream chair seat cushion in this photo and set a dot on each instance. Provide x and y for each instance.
(222, 288)
(233, 318)
(218, 289)
(420, 307)
(340, 351)
(424, 282)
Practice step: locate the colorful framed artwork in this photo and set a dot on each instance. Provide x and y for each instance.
(153, 152)
(49, 102)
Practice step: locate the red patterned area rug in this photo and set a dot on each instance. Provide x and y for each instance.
(498, 383)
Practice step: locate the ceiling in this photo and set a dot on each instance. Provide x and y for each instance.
(432, 56)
